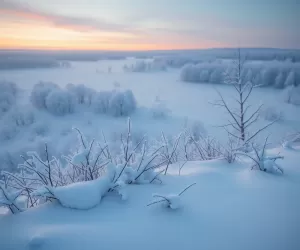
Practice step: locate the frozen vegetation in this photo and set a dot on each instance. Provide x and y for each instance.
(96, 155)
(274, 73)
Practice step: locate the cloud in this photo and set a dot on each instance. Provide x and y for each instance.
(19, 10)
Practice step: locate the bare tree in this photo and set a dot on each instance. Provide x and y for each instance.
(243, 117)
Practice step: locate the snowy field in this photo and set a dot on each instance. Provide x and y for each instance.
(230, 207)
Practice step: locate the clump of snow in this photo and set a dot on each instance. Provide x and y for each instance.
(80, 195)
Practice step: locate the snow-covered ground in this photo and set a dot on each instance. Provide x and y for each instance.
(187, 101)
(230, 207)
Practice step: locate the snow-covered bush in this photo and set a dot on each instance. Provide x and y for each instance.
(197, 130)
(83, 94)
(272, 114)
(40, 93)
(159, 109)
(101, 101)
(122, 103)
(83, 177)
(171, 201)
(291, 139)
(262, 162)
(60, 102)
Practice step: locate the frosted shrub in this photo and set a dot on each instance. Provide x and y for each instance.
(197, 130)
(122, 103)
(262, 162)
(60, 102)
(83, 94)
(172, 201)
(101, 101)
(84, 177)
(40, 93)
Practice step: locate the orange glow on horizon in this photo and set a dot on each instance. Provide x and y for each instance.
(50, 45)
(40, 34)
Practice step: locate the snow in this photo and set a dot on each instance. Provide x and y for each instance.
(80, 195)
(231, 207)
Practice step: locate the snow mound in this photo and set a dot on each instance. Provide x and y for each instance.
(80, 195)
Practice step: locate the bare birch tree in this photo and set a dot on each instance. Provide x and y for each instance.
(244, 116)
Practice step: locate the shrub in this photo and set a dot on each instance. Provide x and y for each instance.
(60, 102)
(40, 93)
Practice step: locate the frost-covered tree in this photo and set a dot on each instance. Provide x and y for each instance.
(8, 91)
(40, 92)
(6, 102)
(279, 81)
(290, 80)
(101, 101)
(60, 102)
(241, 118)
(268, 76)
(122, 103)
(204, 75)
(292, 95)
(83, 94)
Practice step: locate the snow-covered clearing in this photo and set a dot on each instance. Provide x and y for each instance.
(230, 207)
